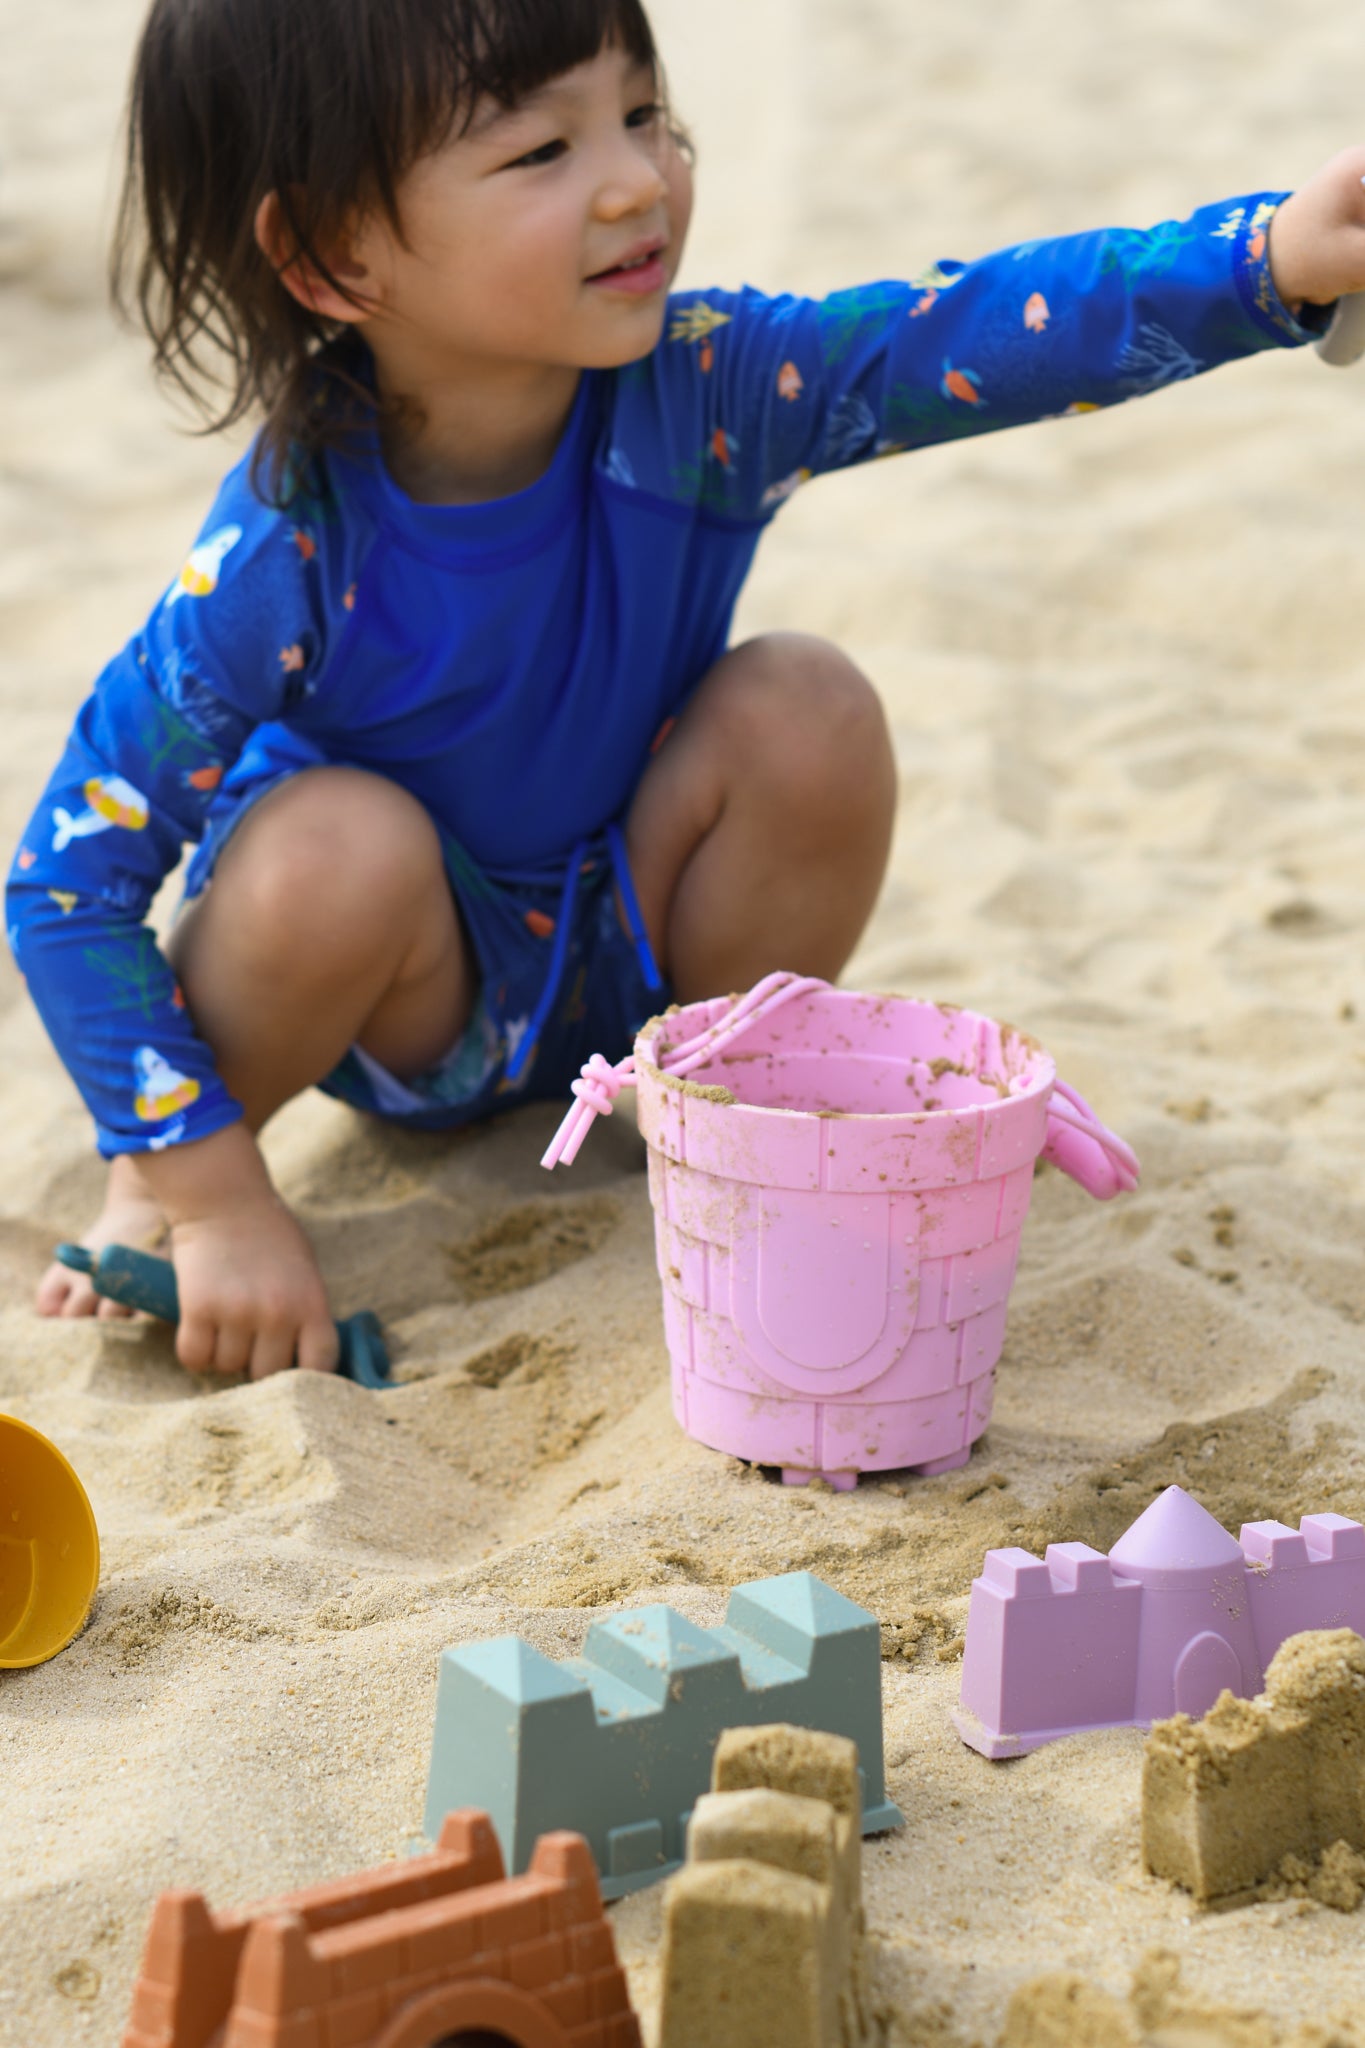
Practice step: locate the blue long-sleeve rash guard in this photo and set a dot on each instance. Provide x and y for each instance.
(510, 663)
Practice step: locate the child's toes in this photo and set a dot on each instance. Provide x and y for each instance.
(64, 1293)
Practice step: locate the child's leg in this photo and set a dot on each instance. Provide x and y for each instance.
(759, 834)
(329, 922)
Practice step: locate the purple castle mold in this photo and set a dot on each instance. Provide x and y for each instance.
(1176, 1612)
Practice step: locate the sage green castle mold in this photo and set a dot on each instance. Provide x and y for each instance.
(617, 1744)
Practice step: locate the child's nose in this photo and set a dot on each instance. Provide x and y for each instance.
(631, 182)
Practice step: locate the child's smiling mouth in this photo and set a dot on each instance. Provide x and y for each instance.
(638, 273)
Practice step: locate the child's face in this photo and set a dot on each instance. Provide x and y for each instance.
(547, 234)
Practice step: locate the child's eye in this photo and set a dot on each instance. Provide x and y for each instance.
(644, 116)
(545, 154)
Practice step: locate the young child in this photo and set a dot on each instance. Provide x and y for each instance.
(443, 692)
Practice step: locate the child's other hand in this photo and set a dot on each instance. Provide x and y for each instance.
(1317, 237)
(251, 1296)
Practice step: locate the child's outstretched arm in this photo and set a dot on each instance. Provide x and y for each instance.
(1317, 238)
(760, 394)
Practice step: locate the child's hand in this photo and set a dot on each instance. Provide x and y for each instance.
(251, 1297)
(1317, 237)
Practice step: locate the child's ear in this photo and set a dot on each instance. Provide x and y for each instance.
(301, 277)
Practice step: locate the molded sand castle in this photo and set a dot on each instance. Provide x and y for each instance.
(1064, 2010)
(1269, 1788)
(763, 1927)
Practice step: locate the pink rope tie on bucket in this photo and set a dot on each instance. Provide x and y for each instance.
(1096, 1158)
(596, 1089)
(599, 1083)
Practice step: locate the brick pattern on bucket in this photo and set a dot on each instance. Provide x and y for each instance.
(952, 1266)
(396, 1957)
(835, 1286)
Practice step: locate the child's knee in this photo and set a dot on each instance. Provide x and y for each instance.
(332, 853)
(814, 722)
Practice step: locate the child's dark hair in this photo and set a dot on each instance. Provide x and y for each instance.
(326, 103)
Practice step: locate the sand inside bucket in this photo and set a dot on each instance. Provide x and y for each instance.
(843, 1054)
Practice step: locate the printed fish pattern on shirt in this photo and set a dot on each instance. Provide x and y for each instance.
(511, 664)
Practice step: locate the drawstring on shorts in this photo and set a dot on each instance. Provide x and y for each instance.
(519, 1059)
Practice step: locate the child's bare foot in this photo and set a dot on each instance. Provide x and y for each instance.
(131, 1215)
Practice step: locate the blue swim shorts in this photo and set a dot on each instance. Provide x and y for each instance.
(560, 979)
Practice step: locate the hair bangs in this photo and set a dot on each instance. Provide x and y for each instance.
(518, 46)
(431, 65)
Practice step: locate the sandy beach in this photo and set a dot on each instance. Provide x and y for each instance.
(1122, 658)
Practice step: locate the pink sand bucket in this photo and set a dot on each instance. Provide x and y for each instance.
(839, 1185)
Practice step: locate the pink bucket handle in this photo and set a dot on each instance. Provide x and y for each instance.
(1094, 1156)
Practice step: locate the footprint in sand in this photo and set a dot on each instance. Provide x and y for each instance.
(535, 1358)
(529, 1243)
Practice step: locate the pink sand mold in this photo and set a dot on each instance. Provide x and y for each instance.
(1176, 1612)
(839, 1185)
